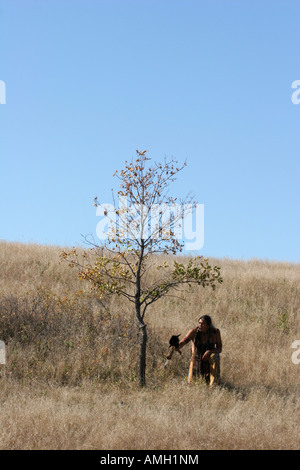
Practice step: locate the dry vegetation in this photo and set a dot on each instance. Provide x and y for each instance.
(70, 377)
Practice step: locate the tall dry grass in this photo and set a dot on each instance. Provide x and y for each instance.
(70, 377)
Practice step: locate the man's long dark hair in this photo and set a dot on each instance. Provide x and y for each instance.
(207, 319)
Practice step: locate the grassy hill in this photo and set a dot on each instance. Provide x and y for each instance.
(70, 380)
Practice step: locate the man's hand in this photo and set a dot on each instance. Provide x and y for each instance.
(206, 356)
(171, 351)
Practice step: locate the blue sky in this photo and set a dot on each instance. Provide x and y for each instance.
(90, 81)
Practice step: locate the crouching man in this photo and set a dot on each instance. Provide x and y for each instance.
(206, 349)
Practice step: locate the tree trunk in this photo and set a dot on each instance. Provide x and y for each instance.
(143, 346)
(142, 326)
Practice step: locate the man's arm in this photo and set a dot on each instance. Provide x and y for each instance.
(218, 348)
(190, 336)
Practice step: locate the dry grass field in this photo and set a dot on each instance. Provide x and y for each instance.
(70, 379)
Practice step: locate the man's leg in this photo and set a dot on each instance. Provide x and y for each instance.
(214, 362)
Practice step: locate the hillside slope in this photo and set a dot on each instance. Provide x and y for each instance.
(62, 344)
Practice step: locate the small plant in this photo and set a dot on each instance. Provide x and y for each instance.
(283, 321)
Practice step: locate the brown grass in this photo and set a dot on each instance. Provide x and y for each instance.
(70, 377)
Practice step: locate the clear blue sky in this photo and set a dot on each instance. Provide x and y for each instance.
(208, 81)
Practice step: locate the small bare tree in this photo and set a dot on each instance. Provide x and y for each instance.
(146, 227)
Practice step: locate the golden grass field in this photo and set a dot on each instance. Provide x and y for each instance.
(70, 379)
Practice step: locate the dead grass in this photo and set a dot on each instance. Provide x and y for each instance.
(70, 378)
(173, 417)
